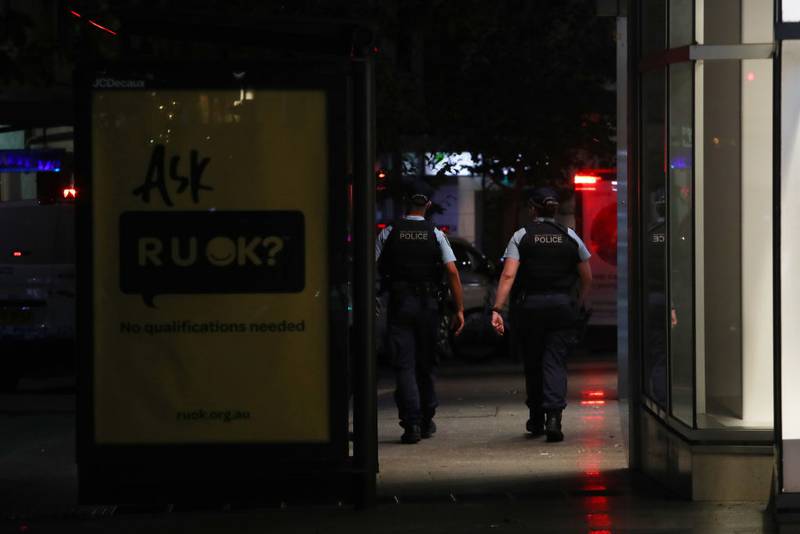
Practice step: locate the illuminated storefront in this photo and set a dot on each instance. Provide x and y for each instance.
(702, 242)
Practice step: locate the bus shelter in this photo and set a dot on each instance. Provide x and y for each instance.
(224, 259)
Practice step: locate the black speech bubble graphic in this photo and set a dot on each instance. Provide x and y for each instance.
(202, 252)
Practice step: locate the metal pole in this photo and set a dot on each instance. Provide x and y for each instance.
(365, 416)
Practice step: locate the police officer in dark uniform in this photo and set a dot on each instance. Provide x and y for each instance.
(413, 258)
(544, 261)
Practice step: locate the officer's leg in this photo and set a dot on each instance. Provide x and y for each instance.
(558, 346)
(427, 327)
(530, 339)
(402, 352)
(554, 369)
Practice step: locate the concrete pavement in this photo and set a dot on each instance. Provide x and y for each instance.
(480, 473)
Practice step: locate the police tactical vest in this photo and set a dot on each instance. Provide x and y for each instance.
(411, 253)
(548, 258)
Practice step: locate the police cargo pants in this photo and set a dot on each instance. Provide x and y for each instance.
(413, 324)
(546, 334)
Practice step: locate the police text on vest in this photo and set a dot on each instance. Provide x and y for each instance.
(548, 239)
(414, 235)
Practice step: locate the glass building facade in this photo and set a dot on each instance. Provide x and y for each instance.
(710, 120)
(710, 147)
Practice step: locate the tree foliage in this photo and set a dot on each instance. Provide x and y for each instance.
(526, 83)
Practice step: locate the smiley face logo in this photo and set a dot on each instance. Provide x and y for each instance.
(221, 251)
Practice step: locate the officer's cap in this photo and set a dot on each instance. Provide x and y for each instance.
(419, 192)
(543, 196)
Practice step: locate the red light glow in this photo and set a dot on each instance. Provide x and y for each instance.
(597, 502)
(593, 403)
(445, 229)
(96, 25)
(70, 192)
(381, 226)
(586, 182)
(594, 394)
(586, 179)
(75, 13)
(751, 76)
(595, 487)
(17, 254)
(598, 520)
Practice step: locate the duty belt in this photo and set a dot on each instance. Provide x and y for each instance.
(422, 289)
(525, 293)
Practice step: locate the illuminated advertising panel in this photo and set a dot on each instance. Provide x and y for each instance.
(210, 266)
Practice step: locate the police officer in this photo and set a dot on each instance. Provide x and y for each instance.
(544, 261)
(413, 257)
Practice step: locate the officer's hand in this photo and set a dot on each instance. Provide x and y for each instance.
(458, 322)
(497, 323)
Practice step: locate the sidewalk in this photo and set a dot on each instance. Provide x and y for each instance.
(480, 473)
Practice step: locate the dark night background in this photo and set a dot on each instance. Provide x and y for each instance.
(527, 84)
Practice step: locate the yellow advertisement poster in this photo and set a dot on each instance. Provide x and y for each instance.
(210, 261)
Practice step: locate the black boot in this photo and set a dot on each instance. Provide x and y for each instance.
(535, 424)
(412, 434)
(552, 426)
(428, 429)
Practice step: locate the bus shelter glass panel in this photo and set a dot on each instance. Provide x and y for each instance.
(654, 231)
(681, 241)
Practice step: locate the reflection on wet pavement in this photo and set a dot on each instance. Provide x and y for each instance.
(482, 446)
(481, 454)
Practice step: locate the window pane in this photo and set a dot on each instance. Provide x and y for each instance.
(681, 241)
(757, 288)
(734, 362)
(791, 11)
(654, 26)
(654, 237)
(681, 23)
(790, 256)
(722, 244)
(722, 22)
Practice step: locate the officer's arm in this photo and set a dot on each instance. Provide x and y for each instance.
(454, 280)
(510, 266)
(585, 274)
(503, 289)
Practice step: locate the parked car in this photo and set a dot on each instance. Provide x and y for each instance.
(37, 289)
(478, 340)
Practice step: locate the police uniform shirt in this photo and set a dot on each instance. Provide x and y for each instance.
(512, 250)
(444, 245)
